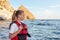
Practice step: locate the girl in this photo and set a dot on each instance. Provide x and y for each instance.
(17, 29)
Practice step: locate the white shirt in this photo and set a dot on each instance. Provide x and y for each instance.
(13, 28)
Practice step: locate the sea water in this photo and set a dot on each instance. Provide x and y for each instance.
(38, 29)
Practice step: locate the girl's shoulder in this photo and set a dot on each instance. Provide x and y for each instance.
(12, 25)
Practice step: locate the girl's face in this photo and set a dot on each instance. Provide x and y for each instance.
(21, 16)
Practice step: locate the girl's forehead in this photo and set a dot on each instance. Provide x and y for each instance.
(22, 14)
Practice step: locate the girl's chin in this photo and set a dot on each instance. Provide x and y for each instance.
(22, 19)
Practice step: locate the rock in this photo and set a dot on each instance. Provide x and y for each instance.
(5, 4)
(28, 14)
(6, 10)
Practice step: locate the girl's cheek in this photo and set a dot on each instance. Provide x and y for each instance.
(20, 17)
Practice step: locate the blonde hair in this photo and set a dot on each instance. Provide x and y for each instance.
(14, 16)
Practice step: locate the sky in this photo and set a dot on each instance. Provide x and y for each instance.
(41, 9)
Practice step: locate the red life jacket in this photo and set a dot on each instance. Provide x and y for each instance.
(23, 31)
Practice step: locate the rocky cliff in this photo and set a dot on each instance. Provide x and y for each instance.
(28, 14)
(6, 9)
